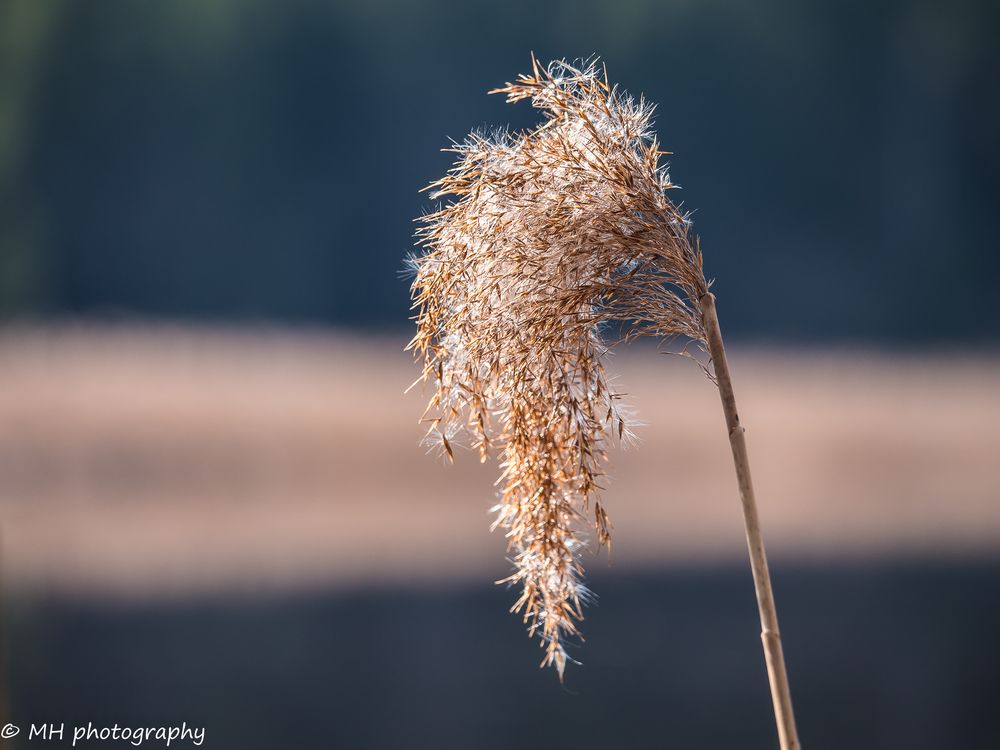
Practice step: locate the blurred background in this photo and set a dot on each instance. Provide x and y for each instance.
(214, 507)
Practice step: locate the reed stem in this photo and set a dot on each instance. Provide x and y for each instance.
(777, 676)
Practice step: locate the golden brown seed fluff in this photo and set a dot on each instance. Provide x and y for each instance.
(552, 240)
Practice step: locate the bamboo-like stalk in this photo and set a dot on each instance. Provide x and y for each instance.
(770, 635)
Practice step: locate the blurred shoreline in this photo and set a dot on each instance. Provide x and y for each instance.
(140, 461)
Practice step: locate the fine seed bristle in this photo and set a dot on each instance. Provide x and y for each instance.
(549, 235)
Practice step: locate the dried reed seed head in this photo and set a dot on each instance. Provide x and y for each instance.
(550, 234)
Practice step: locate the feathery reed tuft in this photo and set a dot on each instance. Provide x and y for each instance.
(551, 234)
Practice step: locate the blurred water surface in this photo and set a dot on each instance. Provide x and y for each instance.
(901, 656)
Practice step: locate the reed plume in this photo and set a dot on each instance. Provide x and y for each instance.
(553, 240)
